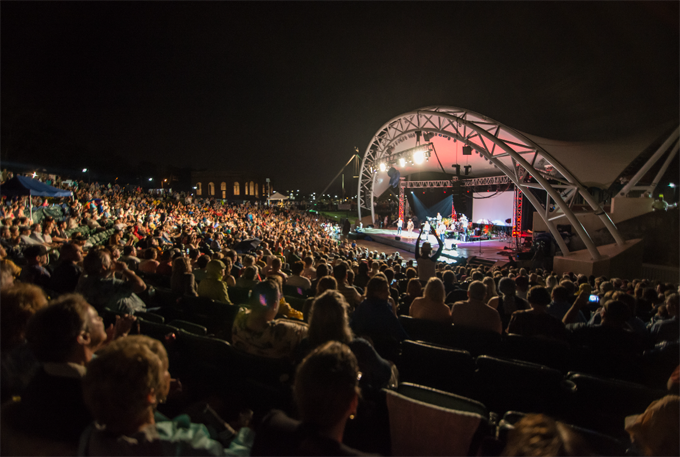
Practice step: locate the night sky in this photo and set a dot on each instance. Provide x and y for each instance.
(289, 89)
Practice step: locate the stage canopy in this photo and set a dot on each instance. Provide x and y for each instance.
(453, 136)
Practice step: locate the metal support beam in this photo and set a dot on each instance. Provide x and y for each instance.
(663, 169)
(652, 160)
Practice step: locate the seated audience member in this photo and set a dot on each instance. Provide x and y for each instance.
(560, 304)
(667, 329)
(507, 302)
(474, 313)
(322, 285)
(213, 286)
(63, 336)
(326, 393)
(275, 269)
(536, 321)
(248, 279)
(329, 321)
(256, 331)
(122, 387)
(655, 432)
(17, 305)
(130, 257)
(449, 280)
(309, 271)
(102, 290)
(413, 291)
(35, 272)
(65, 277)
(296, 280)
(490, 288)
(228, 276)
(610, 337)
(431, 306)
(10, 272)
(149, 264)
(321, 270)
(182, 281)
(375, 318)
(199, 268)
(351, 295)
(165, 263)
(540, 435)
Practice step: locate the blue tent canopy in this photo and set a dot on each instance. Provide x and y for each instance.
(22, 185)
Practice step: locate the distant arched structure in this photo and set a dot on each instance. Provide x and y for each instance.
(498, 150)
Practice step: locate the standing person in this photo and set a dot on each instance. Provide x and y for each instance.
(425, 229)
(427, 262)
(409, 226)
(400, 224)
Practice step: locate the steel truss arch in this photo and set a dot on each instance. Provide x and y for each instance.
(497, 143)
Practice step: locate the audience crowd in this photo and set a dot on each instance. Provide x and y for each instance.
(300, 294)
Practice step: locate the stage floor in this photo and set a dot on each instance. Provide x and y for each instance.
(486, 249)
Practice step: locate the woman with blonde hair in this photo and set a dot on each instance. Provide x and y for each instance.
(431, 306)
(490, 288)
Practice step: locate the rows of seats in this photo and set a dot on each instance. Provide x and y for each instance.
(552, 353)
(504, 385)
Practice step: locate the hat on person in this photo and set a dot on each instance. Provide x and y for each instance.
(35, 251)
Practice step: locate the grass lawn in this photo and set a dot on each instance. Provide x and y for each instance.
(339, 215)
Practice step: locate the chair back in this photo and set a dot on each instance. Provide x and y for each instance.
(440, 367)
(506, 385)
(544, 351)
(238, 295)
(424, 330)
(190, 327)
(426, 421)
(150, 317)
(475, 341)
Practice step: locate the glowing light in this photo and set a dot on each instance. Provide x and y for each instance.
(671, 185)
(35, 174)
(402, 162)
(84, 170)
(418, 156)
(383, 167)
(150, 179)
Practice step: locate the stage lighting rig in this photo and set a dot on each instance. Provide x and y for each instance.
(416, 155)
(467, 150)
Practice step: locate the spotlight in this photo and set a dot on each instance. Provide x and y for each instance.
(467, 150)
(383, 167)
(418, 156)
(402, 162)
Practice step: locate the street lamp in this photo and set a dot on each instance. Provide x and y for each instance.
(87, 170)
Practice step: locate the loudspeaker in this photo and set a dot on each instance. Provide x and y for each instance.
(398, 238)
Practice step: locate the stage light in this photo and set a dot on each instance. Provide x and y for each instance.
(418, 156)
(383, 167)
(84, 170)
(402, 162)
(671, 185)
(467, 150)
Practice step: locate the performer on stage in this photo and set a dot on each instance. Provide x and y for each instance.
(425, 228)
(409, 226)
(400, 224)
